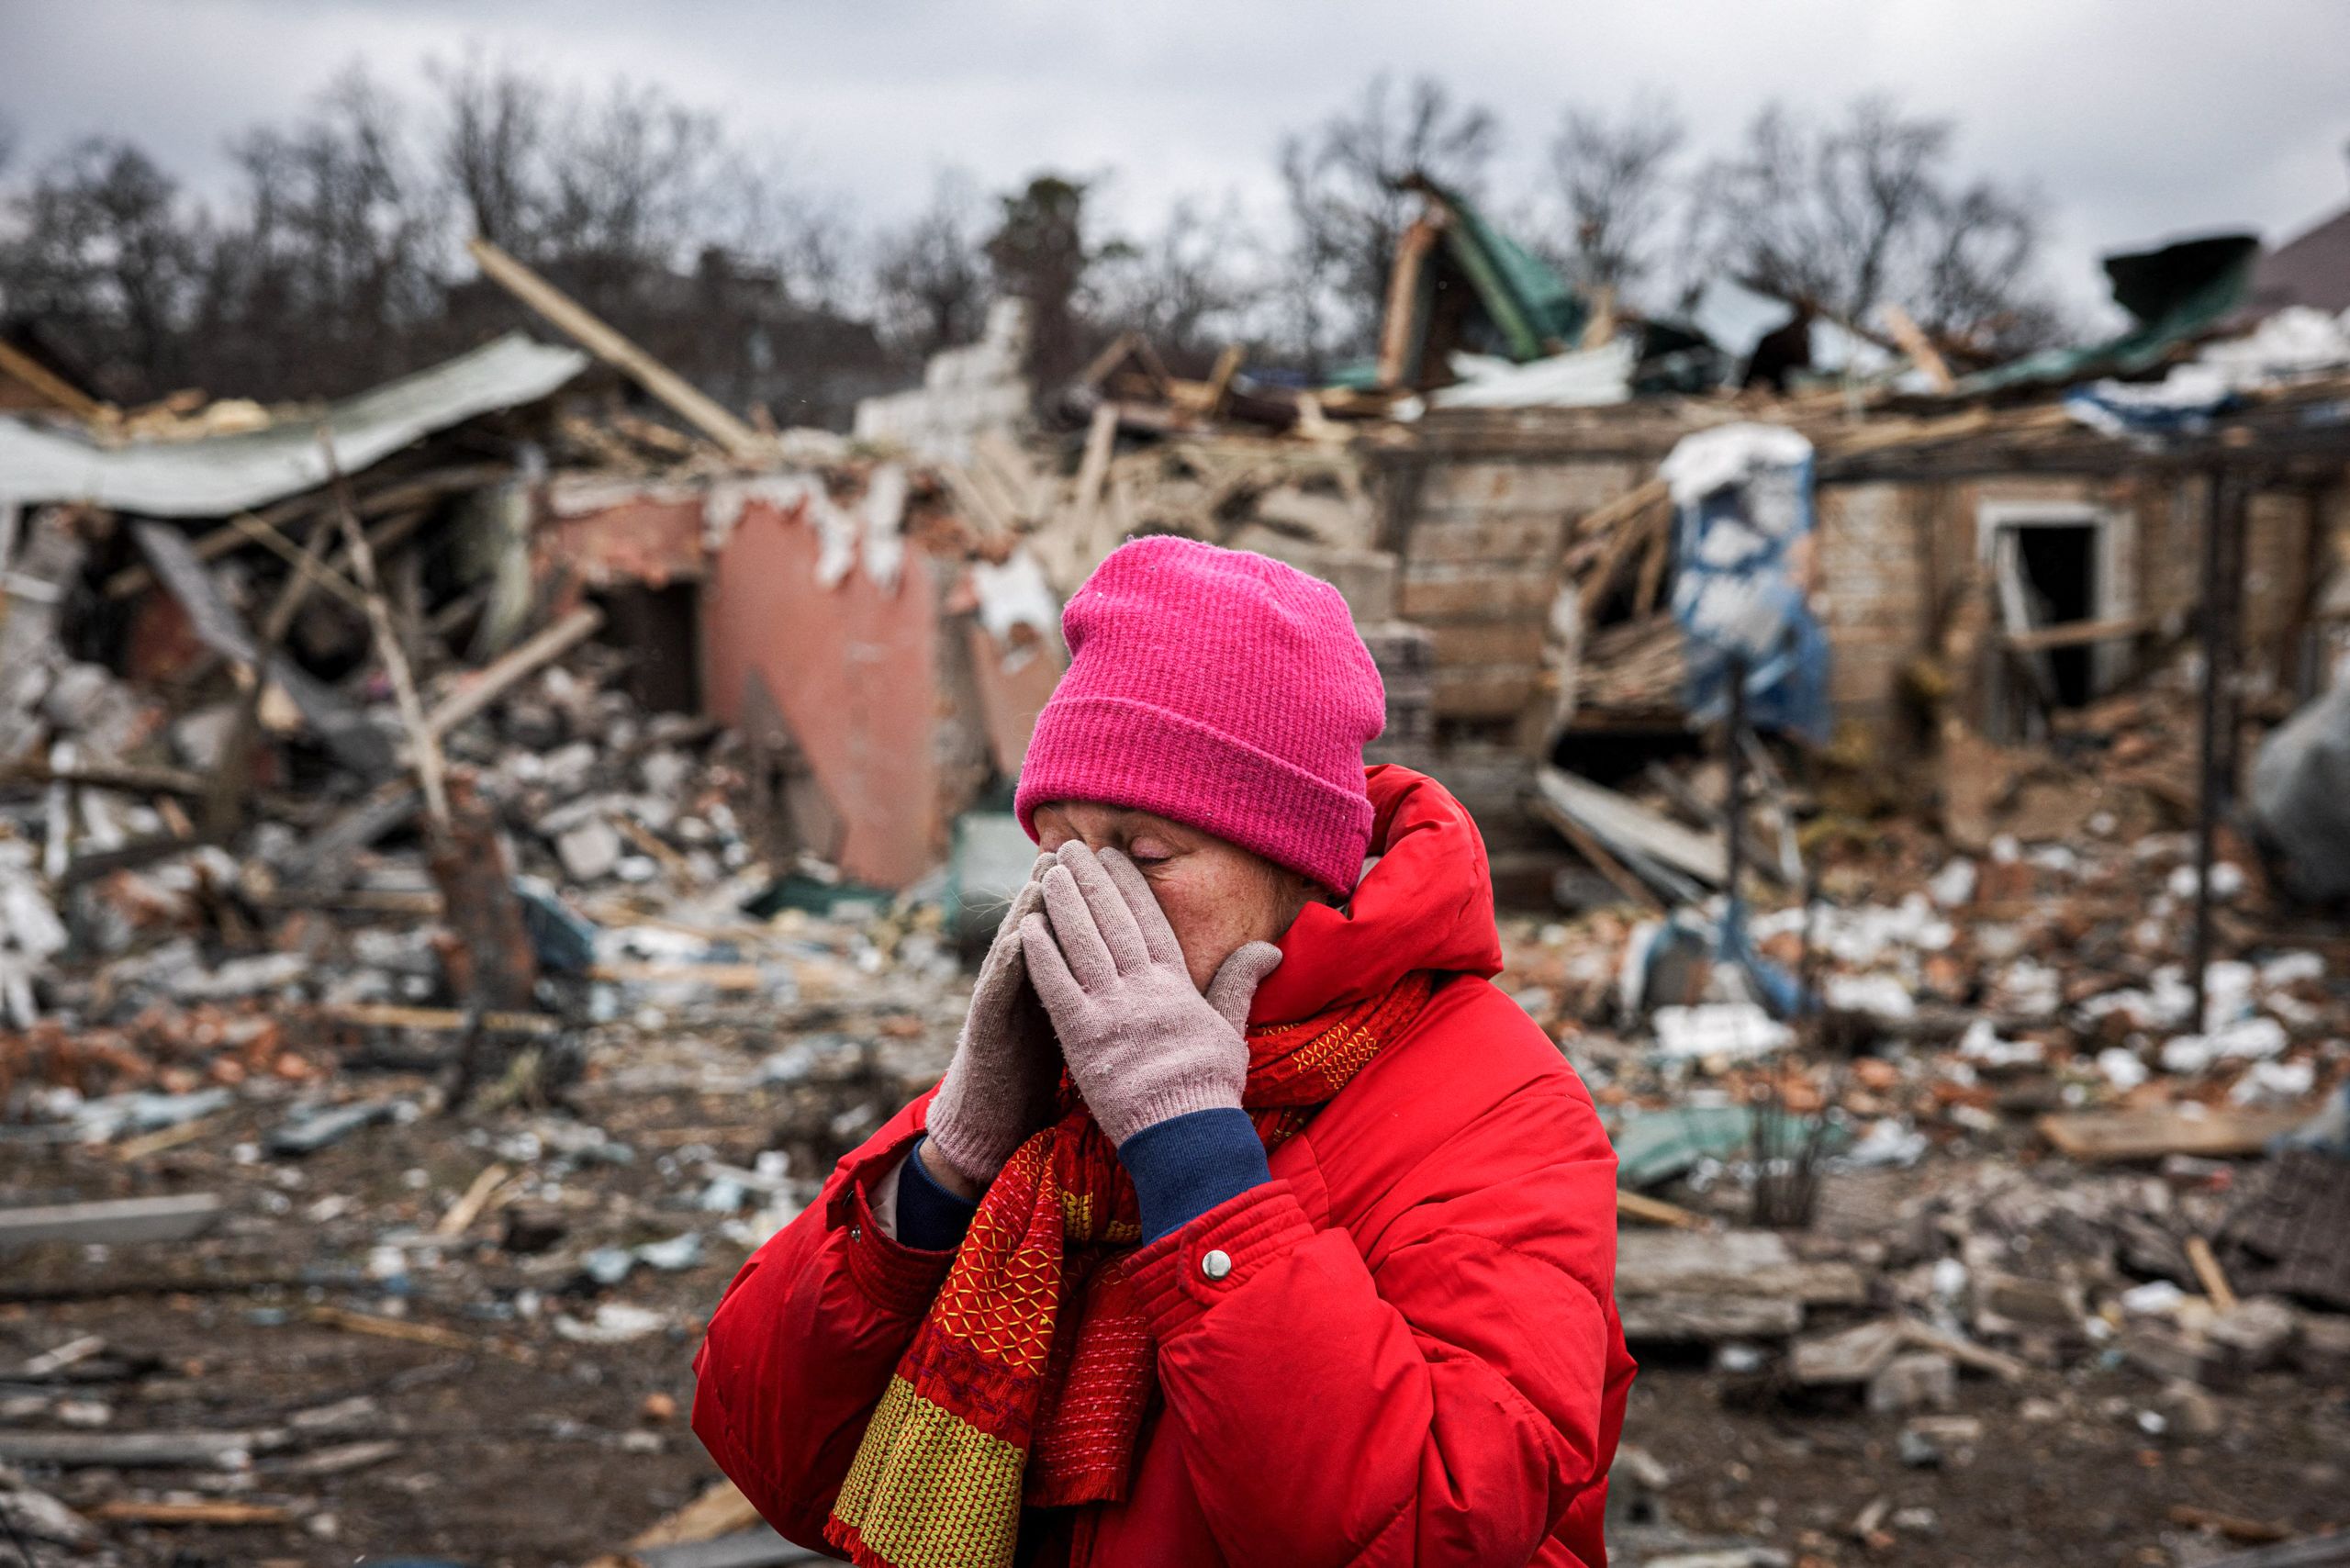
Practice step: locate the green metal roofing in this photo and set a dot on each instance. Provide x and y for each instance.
(2177, 292)
(1538, 312)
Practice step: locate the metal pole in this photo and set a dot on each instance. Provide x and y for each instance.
(2218, 630)
(1734, 763)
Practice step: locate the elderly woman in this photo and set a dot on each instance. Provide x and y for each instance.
(1249, 1223)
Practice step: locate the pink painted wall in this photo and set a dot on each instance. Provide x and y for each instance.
(853, 667)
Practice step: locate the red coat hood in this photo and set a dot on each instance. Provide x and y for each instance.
(1425, 903)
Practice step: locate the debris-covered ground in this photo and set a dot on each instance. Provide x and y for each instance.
(403, 1328)
(413, 1009)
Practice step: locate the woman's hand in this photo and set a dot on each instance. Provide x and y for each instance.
(1142, 1043)
(999, 1088)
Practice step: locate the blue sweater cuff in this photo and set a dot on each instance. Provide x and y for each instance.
(1186, 1165)
(930, 1218)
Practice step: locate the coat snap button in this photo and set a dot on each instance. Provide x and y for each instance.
(1215, 1264)
(856, 1232)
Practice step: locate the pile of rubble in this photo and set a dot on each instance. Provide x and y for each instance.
(1996, 1143)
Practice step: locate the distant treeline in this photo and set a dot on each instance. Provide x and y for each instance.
(338, 260)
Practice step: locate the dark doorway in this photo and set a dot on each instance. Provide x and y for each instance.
(658, 628)
(2059, 566)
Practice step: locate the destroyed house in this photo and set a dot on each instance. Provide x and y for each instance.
(188, 606)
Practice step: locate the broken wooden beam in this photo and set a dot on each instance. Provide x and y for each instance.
(424, 751)
(20, 366)
(1730, 1264)
(688, 402)
(114, 1222)
(1679, 1318)
(438, 1020)
(217, 1511)
(136, 1451)
(2105, 1137)
(1656, 1211)
(2075, 634)
(1631, 830)
(409, 496)
(496, 680)
(1913, 342)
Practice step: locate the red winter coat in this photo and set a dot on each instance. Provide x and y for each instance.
(1414, 1358)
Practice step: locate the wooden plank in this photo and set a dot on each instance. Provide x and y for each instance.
(1401, 315)
(15, 362)
(1926, 1336)
(1656, 1211)
(2107, 1136)
(1618, 875)
(1914, 342)
(1623, 509)
(209, 1511)
(688, 402)
(2075, 634)
(1626, 825)
(1679, 1319)
(424, 750)
(1849, 1355)
(444, 1020)
(1730, 1264)
(277, 544)
(114, 1222)
(136, 1451)
(2208, 1272)
(496, 680)
(721, 1510)
(405, 496)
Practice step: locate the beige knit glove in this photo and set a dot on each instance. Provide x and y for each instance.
(1141, 1042)
(999, 1088)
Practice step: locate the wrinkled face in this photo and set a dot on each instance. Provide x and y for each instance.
(1216, 895)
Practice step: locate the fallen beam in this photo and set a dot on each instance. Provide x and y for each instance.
(1706, 1319)
(685, 399)
(114, 1221)
(2102, 1136)
(209, 1511)
(138, 1451)
(496, 680)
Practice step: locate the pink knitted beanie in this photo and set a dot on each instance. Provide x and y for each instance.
(1221, 689)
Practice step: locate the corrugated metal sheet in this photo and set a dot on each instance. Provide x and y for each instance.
(227, 474)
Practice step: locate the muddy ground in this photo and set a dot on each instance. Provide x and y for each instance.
(511, 1443)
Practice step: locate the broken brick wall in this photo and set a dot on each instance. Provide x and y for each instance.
(854, 670)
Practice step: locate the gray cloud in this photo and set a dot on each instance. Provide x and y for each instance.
(2135, 120)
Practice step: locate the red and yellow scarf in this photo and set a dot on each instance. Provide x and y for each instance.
(1004, 1399)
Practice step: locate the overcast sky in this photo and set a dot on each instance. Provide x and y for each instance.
(2137, 119)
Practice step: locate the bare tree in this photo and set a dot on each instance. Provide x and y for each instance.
(1347, 210)
(1862, 211)
(1189, 288)
(930, 278)
(491, 147)
(103, 245)
(1614, 181)
(1976, 255)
